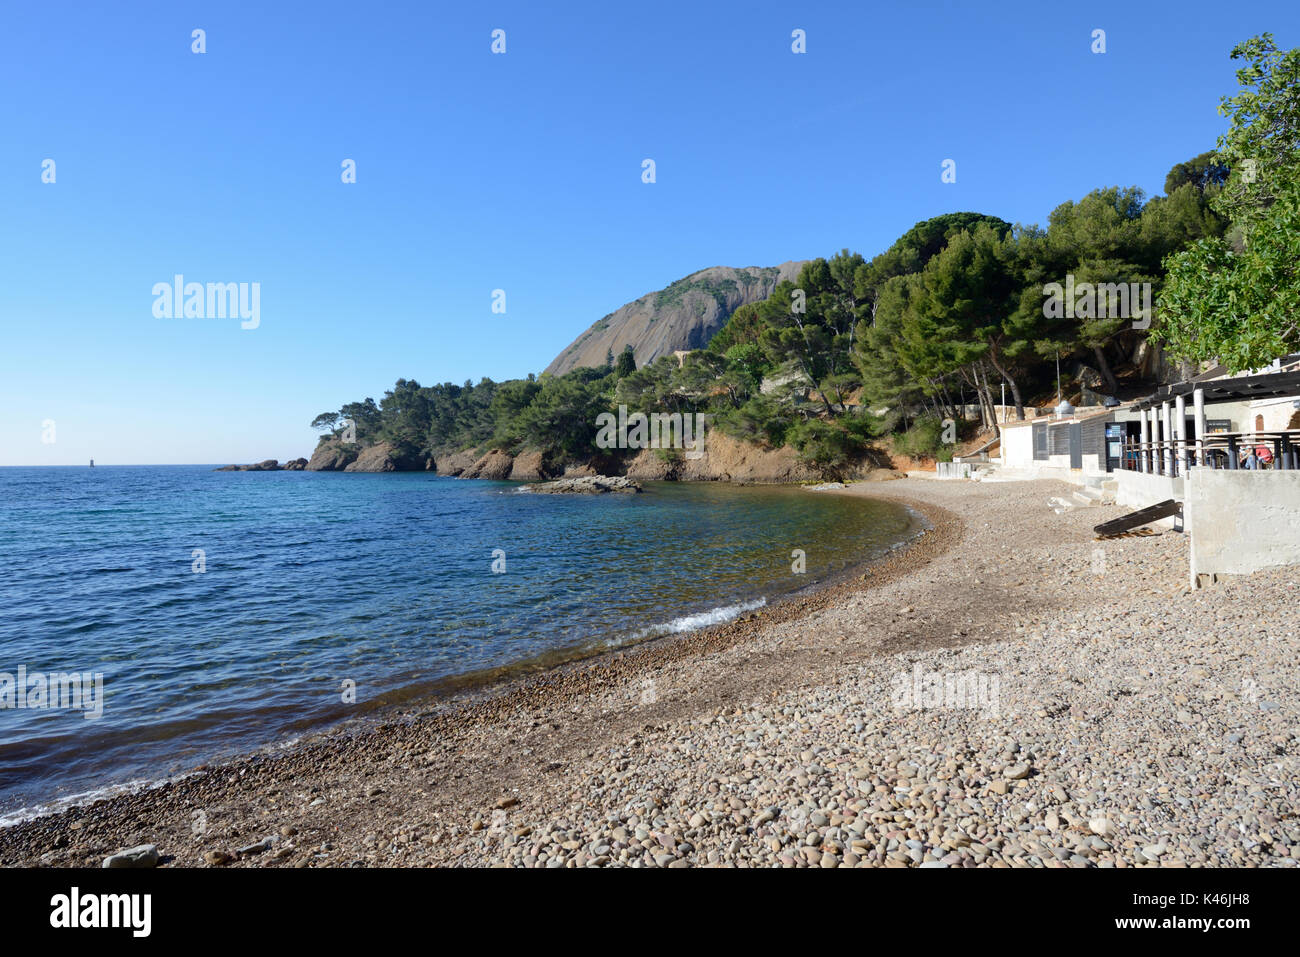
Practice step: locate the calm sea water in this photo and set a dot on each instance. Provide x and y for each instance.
(311, 580)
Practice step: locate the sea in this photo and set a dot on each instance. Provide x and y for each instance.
(178, 615)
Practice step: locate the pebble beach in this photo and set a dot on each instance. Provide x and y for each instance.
(1005, 692)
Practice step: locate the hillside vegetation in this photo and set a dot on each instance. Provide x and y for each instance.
(850, 349)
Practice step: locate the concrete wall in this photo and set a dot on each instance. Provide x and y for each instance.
(1138, 490)
(1242, 520)
(1018, 446)
(1277, 413)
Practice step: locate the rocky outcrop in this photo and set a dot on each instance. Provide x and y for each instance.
(586, 485)
(680, 318)
(528, 467)
(649, 466)
(725, 459)
(454, 463)
(331, 456)
(494, 465)
(385, 457)
(270, 465)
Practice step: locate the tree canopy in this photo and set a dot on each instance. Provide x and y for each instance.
(1236, 298)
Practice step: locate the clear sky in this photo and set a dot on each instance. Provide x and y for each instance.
(518, 171)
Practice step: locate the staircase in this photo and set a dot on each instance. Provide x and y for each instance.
(1100, 492)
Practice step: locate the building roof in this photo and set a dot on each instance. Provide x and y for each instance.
(1270, 385)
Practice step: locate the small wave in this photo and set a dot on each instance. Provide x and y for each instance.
(704, 619)
(84, 797)
(133, 786)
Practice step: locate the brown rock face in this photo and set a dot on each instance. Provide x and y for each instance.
(380, 457)
(332, 457)
(528, 467)
(682, 317)
(295, 465)
(495, 465)
(725, 459)
(454, 463)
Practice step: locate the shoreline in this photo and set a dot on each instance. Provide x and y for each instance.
(716, 743)
(434, 692)
(494, 689)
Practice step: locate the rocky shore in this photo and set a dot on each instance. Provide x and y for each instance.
(585, 485)
(270, 465)
(723, 459)
(1131, 723)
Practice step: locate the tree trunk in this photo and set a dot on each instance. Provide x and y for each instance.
(986, 397)
(966, 380)
(1104, 368)
(947, 397)
(988, 419)
(1015, 389)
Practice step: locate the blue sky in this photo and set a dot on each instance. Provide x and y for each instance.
(519, 171)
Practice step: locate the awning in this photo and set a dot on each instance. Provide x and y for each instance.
(1272, 385)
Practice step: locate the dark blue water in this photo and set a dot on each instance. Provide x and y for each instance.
(316, 579)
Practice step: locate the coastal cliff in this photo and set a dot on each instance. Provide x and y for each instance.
(683, 316)
(724, 459)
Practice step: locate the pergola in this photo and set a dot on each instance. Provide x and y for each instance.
(1164, 447)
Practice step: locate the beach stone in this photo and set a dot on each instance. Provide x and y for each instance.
(263, 845)
(146, 855)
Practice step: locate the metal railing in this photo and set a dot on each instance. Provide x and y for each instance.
(1232, 450)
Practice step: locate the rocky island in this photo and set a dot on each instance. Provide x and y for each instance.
(586, 485)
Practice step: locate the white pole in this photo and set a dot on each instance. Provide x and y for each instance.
(1168, 433)
(1155, 440)
(1180, 430)
(1198, 405)
(1143, 451)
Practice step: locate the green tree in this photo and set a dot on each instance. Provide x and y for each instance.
(626, 363)
(1236, 299)
(326, 421)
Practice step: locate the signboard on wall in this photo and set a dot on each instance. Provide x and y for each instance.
(1217, 425)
